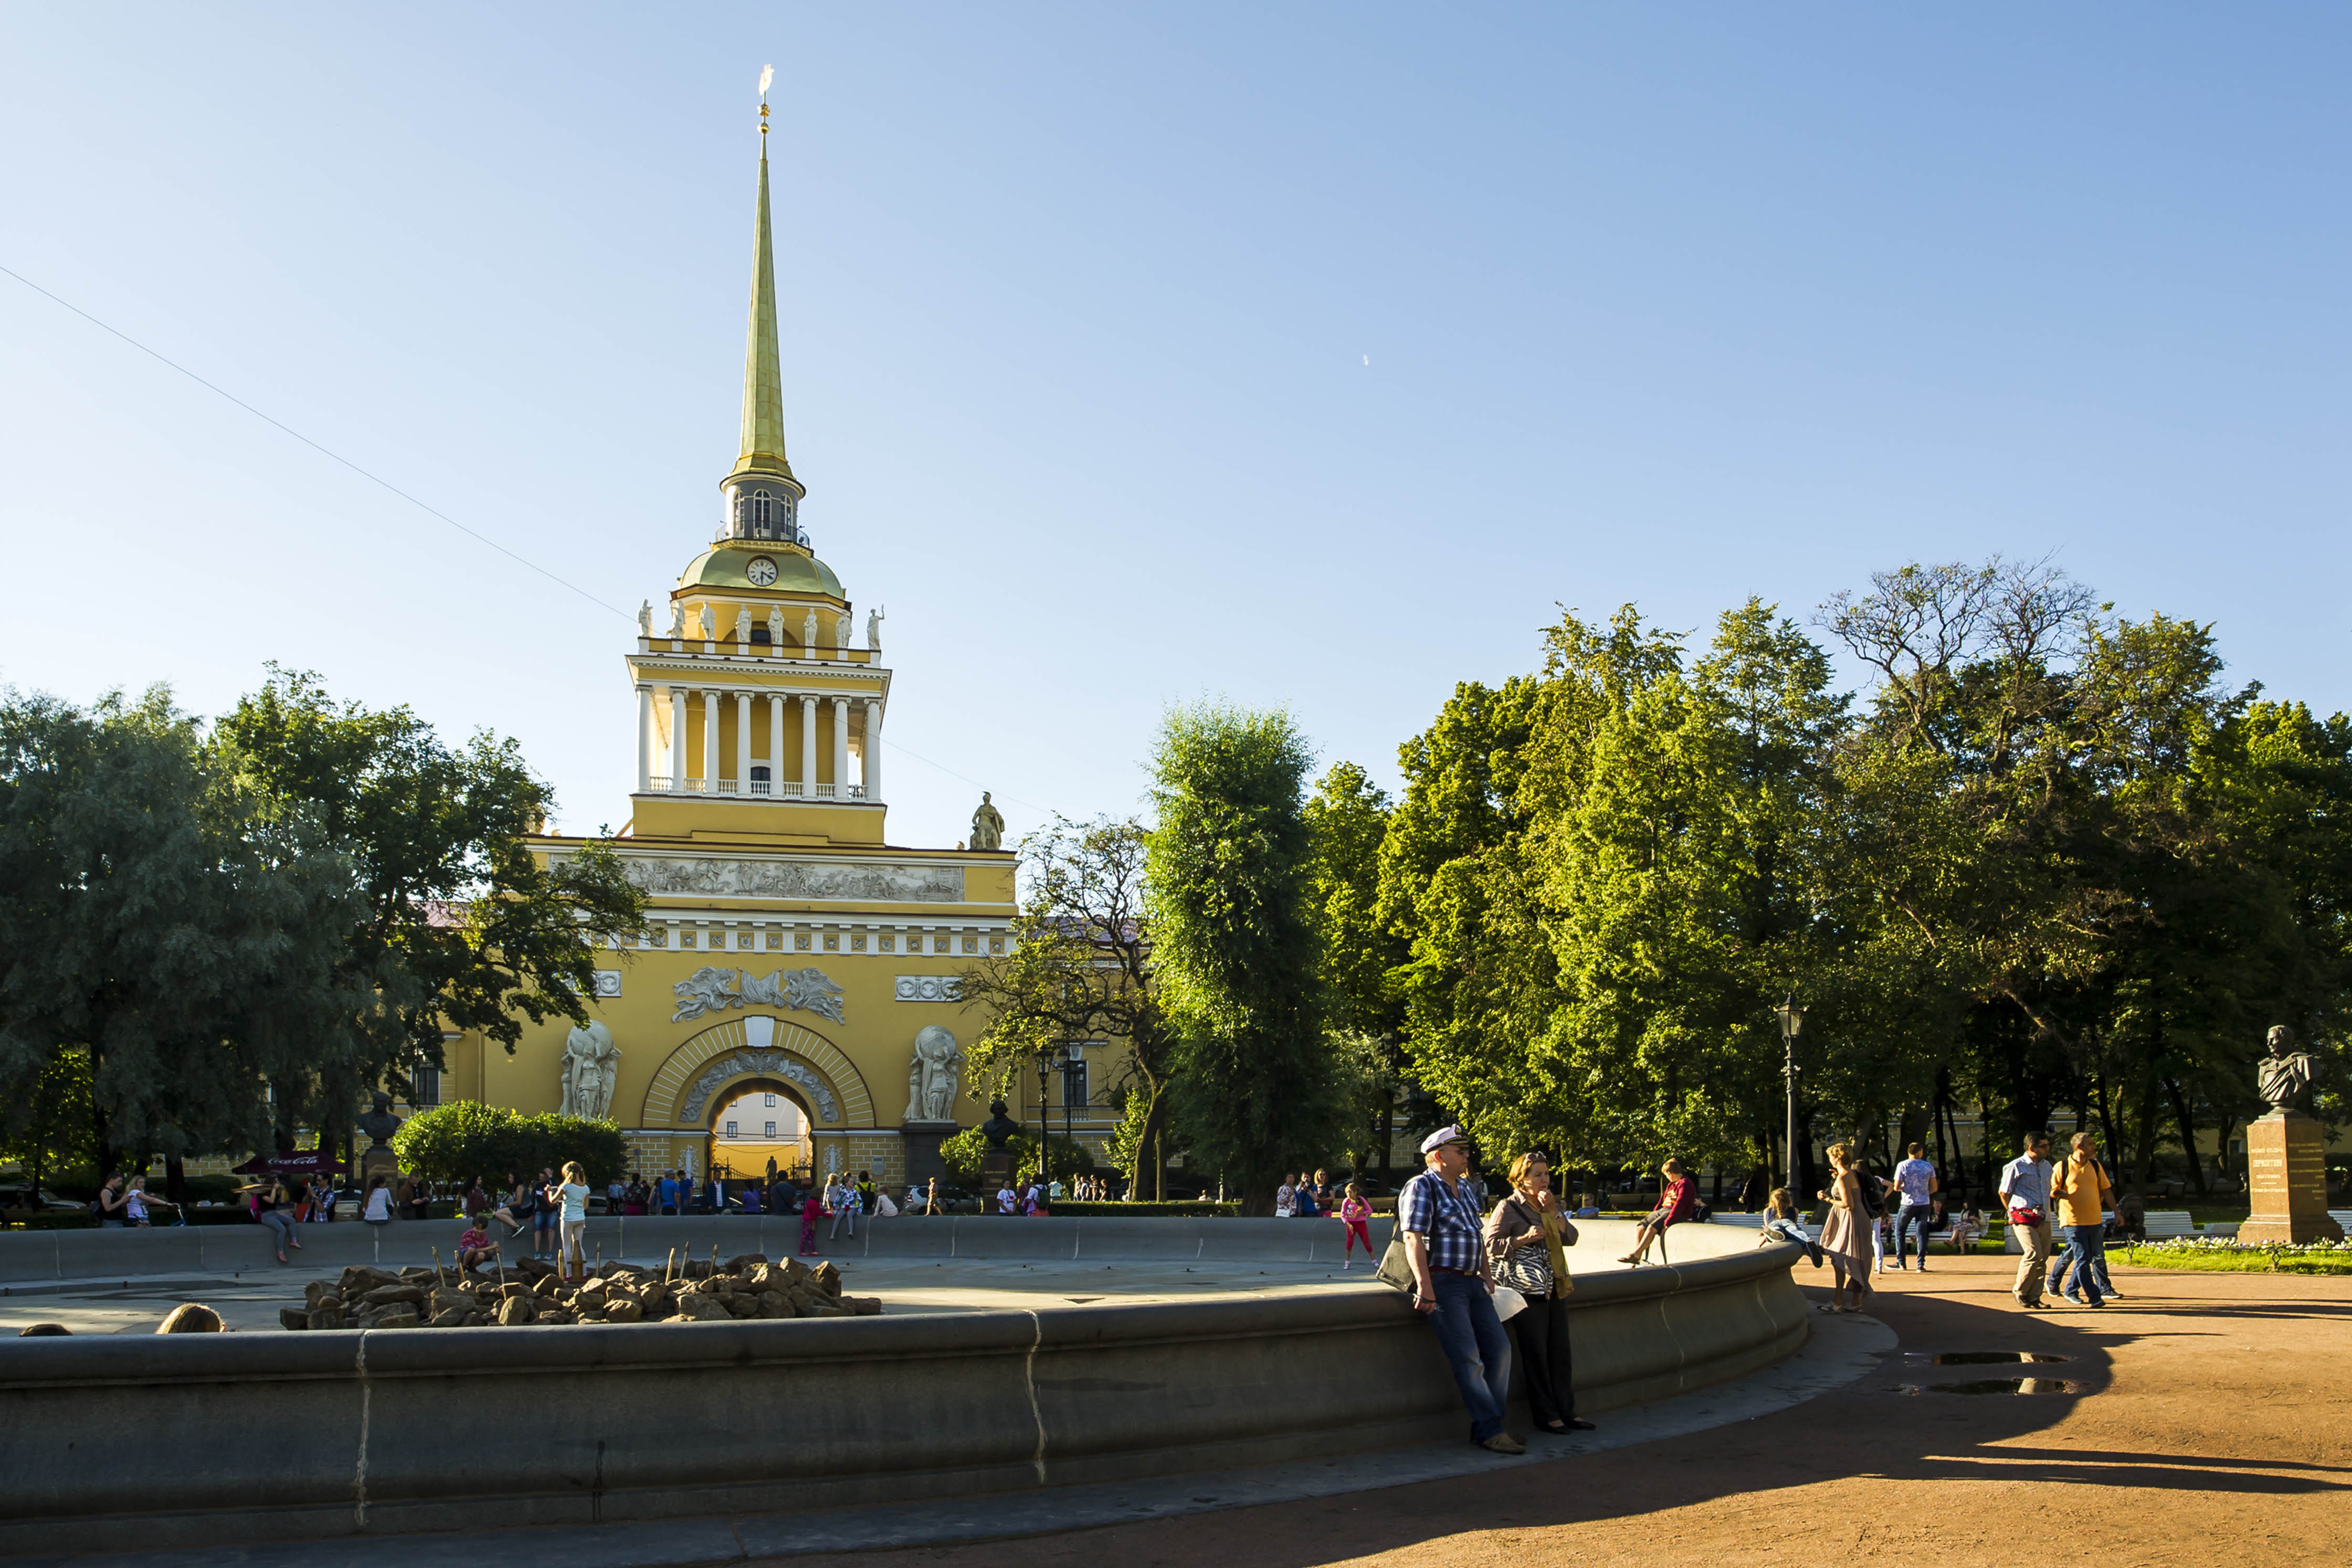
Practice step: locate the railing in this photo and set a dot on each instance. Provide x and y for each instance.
(758, 790)
(730, 649)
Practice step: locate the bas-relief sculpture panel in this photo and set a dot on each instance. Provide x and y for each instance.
(716, 878)
(693, 1106)
(801, 990)
(932, 1075)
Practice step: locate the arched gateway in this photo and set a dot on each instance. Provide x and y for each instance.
(704, 1071)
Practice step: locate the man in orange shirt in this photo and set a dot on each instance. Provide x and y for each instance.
(2080, 1194)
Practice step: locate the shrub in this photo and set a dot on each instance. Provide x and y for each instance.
(468, 1138)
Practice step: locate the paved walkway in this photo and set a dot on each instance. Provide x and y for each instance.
(2210, 1427)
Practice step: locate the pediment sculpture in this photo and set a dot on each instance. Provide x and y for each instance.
(707, 990)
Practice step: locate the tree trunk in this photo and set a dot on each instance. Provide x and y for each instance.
(2144, 1131)
(2187, 1134)
(2107, 1120)
(1800, 1159)
(1388, 1137)
(175, 1178)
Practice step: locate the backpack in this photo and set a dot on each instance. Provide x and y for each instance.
(1874, 1201)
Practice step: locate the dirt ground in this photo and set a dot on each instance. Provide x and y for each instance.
(2213, 1425)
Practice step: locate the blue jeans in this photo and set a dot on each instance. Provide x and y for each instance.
(1475, 1343)
(2085, 1253)
(1922, 1215)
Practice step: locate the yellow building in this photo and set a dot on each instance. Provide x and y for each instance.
(791, 950)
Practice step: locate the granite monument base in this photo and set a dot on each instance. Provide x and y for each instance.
(2286, 1179)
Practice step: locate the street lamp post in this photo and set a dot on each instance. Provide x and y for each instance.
(1072, 1058)
(1046, 1060)
(1792, 1023)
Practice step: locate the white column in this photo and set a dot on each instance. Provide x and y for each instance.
(709, 741)
(841, 749)
(874, 749)
(808, 748)
(743, 742)
(644, 738)
(775, 745)
(677, 740)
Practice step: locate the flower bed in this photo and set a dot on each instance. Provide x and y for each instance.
(2228, 1254)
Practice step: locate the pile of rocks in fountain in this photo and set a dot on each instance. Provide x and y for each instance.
(689, 1293)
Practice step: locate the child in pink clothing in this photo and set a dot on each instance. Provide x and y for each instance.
(1354, 1213)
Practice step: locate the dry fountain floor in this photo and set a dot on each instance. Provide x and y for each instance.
(249, 1302)
(2212, 1424)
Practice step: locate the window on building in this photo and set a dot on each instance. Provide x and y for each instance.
(772, 1130)
(760, 635)
(759, 785)
(426, 1087)
(731, 1129)
(768, 1101)
(1074, 1084)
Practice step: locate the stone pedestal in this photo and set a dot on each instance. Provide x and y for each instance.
(995, 1176)
(922, 1140)
(376, 1162)
(2286, 1179)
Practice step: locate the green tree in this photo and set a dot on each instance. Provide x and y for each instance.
(182, 943)
(1231, 875)
(1079, 969)
(1349, 817)
(463, 925)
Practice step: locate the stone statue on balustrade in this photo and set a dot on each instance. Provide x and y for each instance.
(874, 628)
(591, 1068)
(932, 1076)
(808, 631)
(987, 826)
(677, 619)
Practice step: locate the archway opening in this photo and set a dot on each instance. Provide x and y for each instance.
(757, 1121)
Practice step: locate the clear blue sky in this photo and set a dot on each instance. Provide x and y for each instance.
(1671, 305)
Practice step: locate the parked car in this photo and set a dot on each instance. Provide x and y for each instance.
(20, 1197)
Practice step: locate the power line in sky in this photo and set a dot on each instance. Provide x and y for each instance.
(422, 506)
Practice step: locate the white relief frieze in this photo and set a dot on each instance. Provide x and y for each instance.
(715, 878)
(711, 989)
(930, 989)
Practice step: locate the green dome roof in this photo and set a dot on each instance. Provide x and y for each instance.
(725, 567)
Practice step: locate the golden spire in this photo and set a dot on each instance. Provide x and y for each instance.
(763, 392)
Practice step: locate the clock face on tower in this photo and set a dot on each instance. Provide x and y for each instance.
(761, 572)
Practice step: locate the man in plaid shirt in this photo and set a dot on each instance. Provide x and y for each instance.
(1439, 1213)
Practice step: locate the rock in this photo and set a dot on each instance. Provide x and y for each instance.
(533, 1270)
(358, 1279)
(44, 1330)
(418, 1274)
(445, 1302)
(402, 1316)
(510, 1290)
(516, 1310)
(391, 1295)
(827, 1278)
(775, 1304)
(556, 1315)
(746, 1262)
(294, 1317)
(623, 1311)
(822, 1310)
(451, 1318)
(704, 1310)
(795, 1271)
(863, 1306)
(325, 1317)
(545, 1286)
(314, 1290)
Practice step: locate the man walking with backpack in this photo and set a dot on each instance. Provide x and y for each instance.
(1916, 1179)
